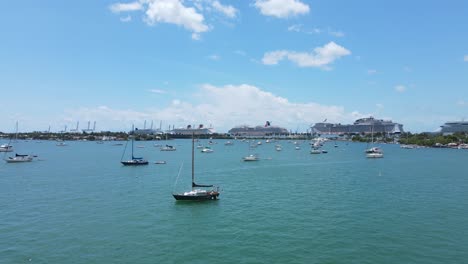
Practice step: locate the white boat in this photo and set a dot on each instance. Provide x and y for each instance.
(168, 148)
(373, 152)
(251, 157)
(6, 148)
(315, 151)
(19, 158)
(228, 143)
(278, 148)
(61, 144)
(374, 155)
(207, 150)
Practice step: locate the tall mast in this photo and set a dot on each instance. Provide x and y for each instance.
(133, 133)
(193, 159)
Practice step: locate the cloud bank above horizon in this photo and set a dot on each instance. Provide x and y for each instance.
(224, 107)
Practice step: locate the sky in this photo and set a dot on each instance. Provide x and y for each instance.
(227, 63)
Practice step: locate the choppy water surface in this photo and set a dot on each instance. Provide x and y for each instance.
(78, 204)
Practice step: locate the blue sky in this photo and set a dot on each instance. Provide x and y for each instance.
(228, 63)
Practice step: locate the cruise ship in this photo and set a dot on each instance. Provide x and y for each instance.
(258, 131)
(454, 127)
(364, 125)
(189, 130)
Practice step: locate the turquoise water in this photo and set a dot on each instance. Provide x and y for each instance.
(78, 204)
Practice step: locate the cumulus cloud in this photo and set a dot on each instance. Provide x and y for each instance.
(281, 8)
(126, 19)
(227, 10)
(465, 58)
(251, 106)
(315, 30)
(124, 7)
(371, 72)
(214, 57)
(320, 57)
(174, 12)
(400, 88)
(337, 34)
(157, 91)
(167, 11)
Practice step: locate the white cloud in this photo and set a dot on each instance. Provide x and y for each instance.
(320, 57)
(157, 91)
(338, 34)
(400, 88)
(461, 103)
(167, 11)
(281, 8)
(214, 57)
(124, 7)
(465, 58)
(315, 30)
(174, 12)
(371, 71)
(126, 19)
(228, 11)
(252, 106)
(295, 28)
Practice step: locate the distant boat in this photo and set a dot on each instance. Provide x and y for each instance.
(373, 152)
(251, 157)
(19, 158)
(197, 193)
(228, 143)
(6, 148)
(168, 148)
(61, 144)
(207, 150)
(160, 162)
(134, 161)
(315, 151)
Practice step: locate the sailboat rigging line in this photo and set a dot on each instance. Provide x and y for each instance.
(121, 158)
(178, 174)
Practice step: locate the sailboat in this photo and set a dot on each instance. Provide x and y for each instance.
(18, 157)
(251, 157)
(373, 152)
(134, 161)
(197, 194)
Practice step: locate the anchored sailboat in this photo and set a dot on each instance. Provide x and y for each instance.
(134, 161)
(18, 157)
(197, 194)
(373, 152)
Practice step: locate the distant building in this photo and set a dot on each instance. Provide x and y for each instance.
(363, 125)
(258, 131)
(454, 127)
(201, 130)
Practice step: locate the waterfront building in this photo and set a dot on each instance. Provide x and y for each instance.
(366, 125)
(454, 127)
(258, 131)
